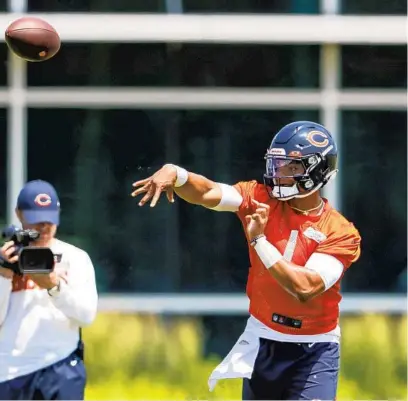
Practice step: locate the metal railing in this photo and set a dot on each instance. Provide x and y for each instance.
(233, 304)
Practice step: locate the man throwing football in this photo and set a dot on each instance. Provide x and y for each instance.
(299, 249)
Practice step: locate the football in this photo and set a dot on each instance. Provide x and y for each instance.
(32, 39)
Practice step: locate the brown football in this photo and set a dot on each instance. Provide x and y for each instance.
(32, 39)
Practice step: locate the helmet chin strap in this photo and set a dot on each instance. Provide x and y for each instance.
(285, 193)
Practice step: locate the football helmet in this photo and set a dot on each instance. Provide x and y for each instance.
(302, 159)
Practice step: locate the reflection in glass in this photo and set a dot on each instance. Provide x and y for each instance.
(374, 66)
(3, 166)
(162, 64)
(374, 164)
(252, 6)
(136, 6)
(374, 7)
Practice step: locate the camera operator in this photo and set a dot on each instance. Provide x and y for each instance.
(41, 352)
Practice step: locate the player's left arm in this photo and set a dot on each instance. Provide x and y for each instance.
(323, 269)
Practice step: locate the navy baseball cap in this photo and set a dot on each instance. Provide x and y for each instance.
(39, 203)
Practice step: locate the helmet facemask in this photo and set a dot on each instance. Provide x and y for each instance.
(308, 173)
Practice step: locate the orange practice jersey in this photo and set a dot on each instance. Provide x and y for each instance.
(329, 233)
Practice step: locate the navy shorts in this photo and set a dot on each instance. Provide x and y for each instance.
(291, 371)
(64, 380)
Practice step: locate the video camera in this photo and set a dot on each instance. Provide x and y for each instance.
(32, 259)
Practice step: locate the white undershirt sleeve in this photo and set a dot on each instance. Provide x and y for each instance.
(328, 267)
(231, 199)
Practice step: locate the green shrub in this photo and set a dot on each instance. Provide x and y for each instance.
(152, 357)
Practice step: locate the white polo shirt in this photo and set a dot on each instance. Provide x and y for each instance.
(36, 329)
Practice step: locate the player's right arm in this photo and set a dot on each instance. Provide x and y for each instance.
(191, 187)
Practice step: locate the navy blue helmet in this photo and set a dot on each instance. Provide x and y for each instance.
(308, 154)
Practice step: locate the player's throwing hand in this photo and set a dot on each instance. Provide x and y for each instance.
(162, 180)
(256, 222)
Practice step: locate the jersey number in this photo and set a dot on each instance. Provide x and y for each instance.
(291, 245)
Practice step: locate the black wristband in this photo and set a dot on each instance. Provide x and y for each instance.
(255, 239)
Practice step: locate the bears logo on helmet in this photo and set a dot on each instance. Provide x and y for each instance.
(313, 138)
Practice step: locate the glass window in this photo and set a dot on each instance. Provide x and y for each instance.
(161, 64)
(3, 64)
(93, 156)
(151, 6)
(252, 6)
(195, 6)
(374, 66)
(374, 7)
(3, 167)
(374, 179)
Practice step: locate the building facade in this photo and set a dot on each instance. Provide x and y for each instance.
(206, 84)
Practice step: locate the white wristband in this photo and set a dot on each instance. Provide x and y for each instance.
(182, 176)
(268, 254)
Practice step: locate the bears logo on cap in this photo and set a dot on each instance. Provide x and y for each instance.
(43, 200)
